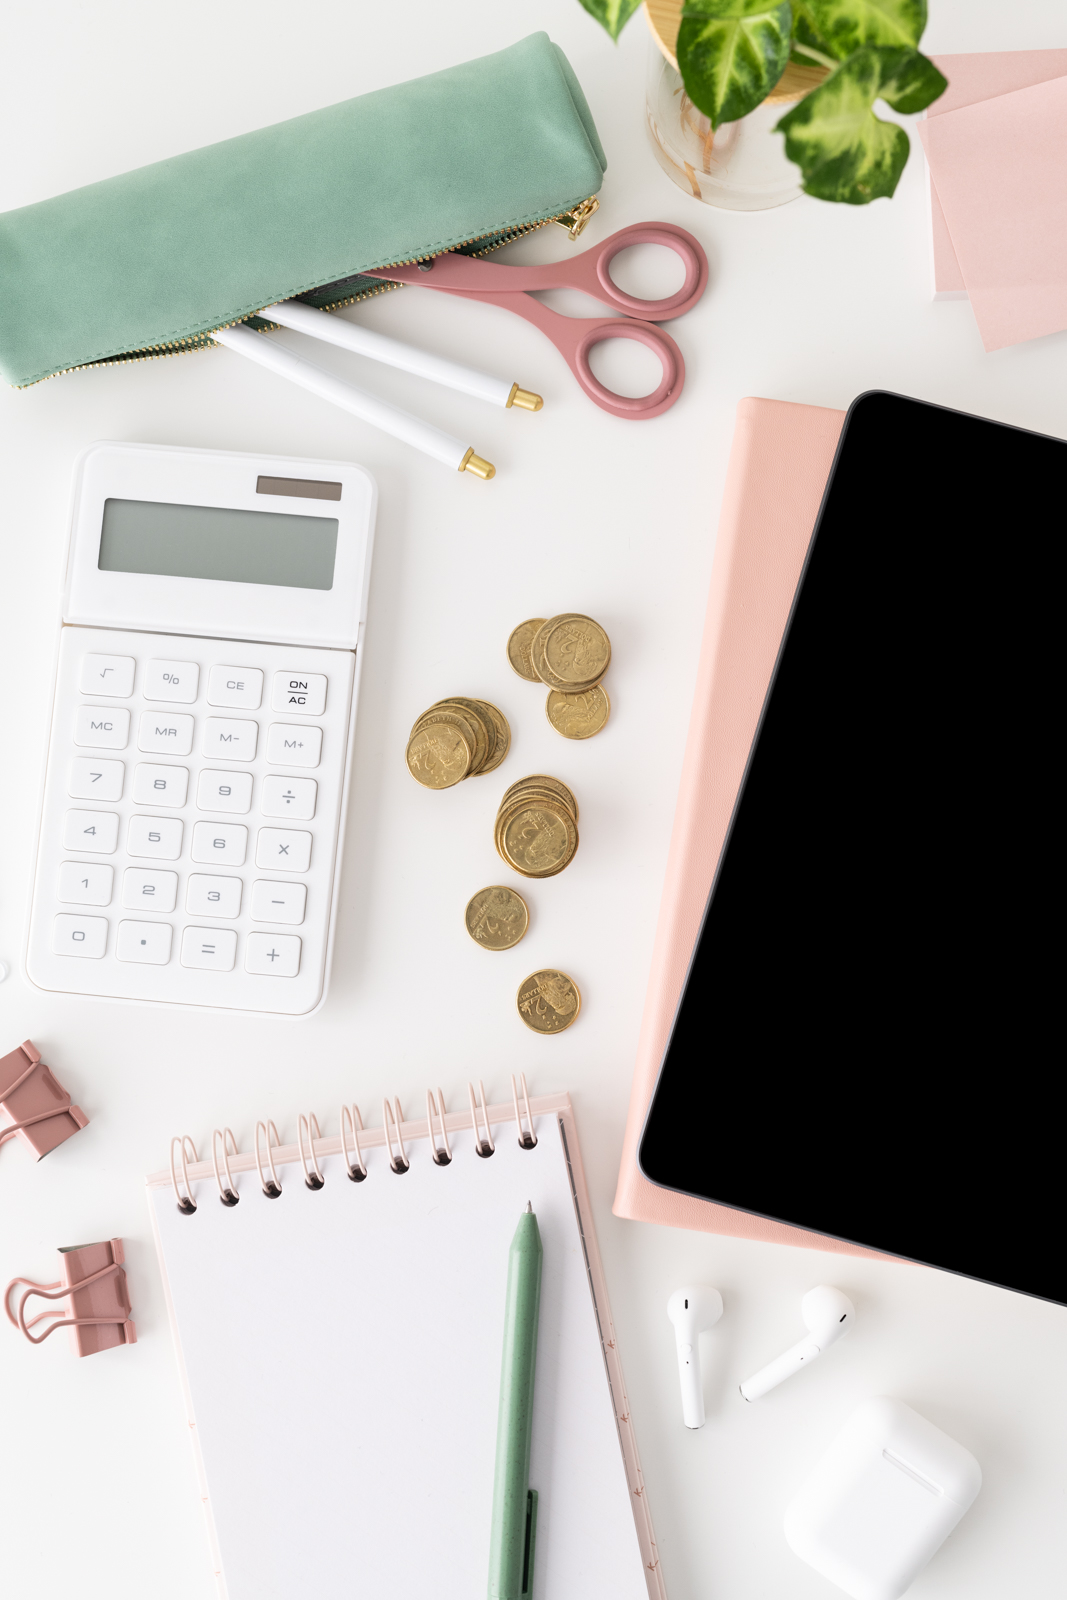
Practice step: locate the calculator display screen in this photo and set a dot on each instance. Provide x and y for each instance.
(218, 542)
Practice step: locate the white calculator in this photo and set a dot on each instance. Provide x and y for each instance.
(205, 701)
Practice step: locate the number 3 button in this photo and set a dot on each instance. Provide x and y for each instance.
(283, 849)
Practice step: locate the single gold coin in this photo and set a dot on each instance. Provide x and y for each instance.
(531, 800)
(503, 735)
(578, 716)
(496, 918)
(519, 640)
(439, 755)
(538, 842)
(538, 780)
(484, 733)
(548, 1001)
(537, 659)
(574, 653)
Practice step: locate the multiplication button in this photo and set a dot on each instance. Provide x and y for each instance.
(283, 849)
(303, 692)
(276, 954)
(213, 949)
(292, 746)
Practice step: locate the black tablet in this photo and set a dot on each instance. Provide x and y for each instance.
(869, 1040)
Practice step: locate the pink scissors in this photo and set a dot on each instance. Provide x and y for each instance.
(497, 284)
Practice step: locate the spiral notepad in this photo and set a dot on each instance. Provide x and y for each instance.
(339, 1344)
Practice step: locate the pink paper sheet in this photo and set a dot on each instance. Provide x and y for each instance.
(971, 78)
(1000, 169)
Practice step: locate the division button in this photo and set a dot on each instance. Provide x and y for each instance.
(289, 797)
(145, 889)
(94, 831)
(224, 791)
(275, 953)
(145, 941)
(235, 686)
(160, 786)
(110, 675)
(283, 850)
(230, 739)
(278, 902)
(79, 936)
(176, 681)
(293, 746)
(303, 692)
(160, 837)
(92, 779)
(85, 883)
(222, 843)
(214, 949)
(102, 727)
(165, 730)
(213, 897)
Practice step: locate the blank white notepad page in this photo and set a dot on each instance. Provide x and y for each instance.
(341, 1352)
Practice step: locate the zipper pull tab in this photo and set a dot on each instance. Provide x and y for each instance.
(574, 221)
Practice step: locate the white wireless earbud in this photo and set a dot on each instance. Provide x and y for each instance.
(828, 1314)
(692, 1311)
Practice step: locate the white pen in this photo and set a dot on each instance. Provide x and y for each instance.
(424, 436)
(393, 353)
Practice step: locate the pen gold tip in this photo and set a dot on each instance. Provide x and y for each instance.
(525, 399)
(475, 464)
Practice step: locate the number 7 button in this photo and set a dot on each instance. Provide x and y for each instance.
(283, 849)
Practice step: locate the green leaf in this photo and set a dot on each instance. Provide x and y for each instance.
(805, 32)
(845, 152)
(847, 24)
(731, 54)
(613, 15)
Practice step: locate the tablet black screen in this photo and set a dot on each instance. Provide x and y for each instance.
(868, 1042)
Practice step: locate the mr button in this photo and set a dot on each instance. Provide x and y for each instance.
(303, 692)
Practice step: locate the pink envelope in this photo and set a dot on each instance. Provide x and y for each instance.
(971, 78)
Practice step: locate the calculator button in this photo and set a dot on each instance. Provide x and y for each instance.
(222, 843)
(289, 797)
(278, 847)
(212, 948)
(276, 953)
(102, 727)
(230, 739)
(224, 791)
(235, 686)
(145, 941)
(160, 786)
(278, 902)
(293, 746)
(85, 883)
(213, 897)
(165, 730)
(177, 681)
(95, 780)
(147, 890)
(304, 692)
(110, 675)
(94, 831)
(79, 936)
(155, 836)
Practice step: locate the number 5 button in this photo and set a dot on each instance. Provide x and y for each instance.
(283, 849)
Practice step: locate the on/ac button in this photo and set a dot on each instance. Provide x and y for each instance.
(302, 692)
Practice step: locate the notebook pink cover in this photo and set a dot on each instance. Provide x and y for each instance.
(779, 464)
(972, 78)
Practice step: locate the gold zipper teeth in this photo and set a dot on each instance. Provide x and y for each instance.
(204, 341)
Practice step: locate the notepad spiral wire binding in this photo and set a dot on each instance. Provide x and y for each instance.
(183, 1150)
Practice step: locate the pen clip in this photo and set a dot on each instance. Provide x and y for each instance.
(531, 1541)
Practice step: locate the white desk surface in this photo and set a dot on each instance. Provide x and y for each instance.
(809, 302)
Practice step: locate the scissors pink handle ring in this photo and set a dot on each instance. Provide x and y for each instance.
(576, 339)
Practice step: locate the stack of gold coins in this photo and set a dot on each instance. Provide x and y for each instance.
(536, 828)
(571, 654)
(457, 739)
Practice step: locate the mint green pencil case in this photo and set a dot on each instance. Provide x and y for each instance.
(152, 262)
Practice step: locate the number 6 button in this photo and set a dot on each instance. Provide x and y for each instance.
(223, 843)
(283, 849)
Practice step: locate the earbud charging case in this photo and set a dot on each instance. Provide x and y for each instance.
(882, 1501)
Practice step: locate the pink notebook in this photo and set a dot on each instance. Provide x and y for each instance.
(779, 465)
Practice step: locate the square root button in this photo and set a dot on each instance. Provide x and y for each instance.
(276, 954)
(213, 949)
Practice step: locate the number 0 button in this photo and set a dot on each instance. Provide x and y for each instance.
(283, 849)
(222, 843)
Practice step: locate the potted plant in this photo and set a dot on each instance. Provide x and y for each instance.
(829, 60)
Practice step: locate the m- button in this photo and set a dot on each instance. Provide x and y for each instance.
(303, 692)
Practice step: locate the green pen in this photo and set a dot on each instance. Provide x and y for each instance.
(511, 1550)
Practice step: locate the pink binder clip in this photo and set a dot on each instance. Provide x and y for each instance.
(98, 1315)
(37, 1108)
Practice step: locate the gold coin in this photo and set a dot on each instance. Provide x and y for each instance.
(548, 1001)
(496, 918)
(540, 801)
(503, 735)
(537, 841)
(578, 716)
(574, 653)
(537, 660)
(447, 712)
(484, 734)
(439, 755)
(539, 780)
(519, 641)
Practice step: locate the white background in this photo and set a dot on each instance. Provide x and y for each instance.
(810, 302)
